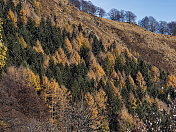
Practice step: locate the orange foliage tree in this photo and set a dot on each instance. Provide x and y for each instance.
(141, 83)
(57, 98)
(155, 74)
(69, 45)
(12, 16)
(171, 81)
(92, 111)
(3, 48)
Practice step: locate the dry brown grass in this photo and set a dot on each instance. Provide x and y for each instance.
(155, 48)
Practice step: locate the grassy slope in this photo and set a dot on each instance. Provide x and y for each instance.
(157, 49)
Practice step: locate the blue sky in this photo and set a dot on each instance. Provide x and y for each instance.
(160, 9)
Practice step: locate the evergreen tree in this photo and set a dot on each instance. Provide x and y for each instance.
(1, 9)
(80, 28)
(10, 5)
(108, 67)
(75, 90)
(114, 107)
(118, 64)
(95, 46)
(84, 53)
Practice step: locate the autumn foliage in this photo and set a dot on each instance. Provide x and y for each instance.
(171, 81)
(59, 74)
(3, 48)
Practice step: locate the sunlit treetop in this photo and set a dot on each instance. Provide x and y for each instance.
(3, 48)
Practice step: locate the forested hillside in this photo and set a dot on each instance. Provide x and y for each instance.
(62, 69)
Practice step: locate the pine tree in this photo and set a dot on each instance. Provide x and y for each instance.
(108, 66)
(95, 46)
(1, 9)
(114, 107)
(75, 90)
(118, 64)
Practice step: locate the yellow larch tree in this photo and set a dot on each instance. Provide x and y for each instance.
(23, 42)
(86, 43)
(38, 48)
(96, 68)
(171, 81)
(79, 40)
(92, 111)
(57, 99)
(141, 82)
(155, 74)
(75, 58)
(131, 80)
(45, 83)
(49, 94)
(133, 101)
(135, 59)
(3, 48)
(33, 80)
(46, 61)
(69, 45)
(101, 99)
(63, 109)
(23, 15)
(111, 58)
(56, 58)
(121, 80)
(123, 59)
(127, 52)
(12, 16)
(67, 27)
(116, 52)
(36, 6)
(63, 56)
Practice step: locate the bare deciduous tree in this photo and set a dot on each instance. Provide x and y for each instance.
(114, 14)
(153, 24)
(172, 28)
(163, 29)
(130, 17)
(84, 5)
(101, 12)
(122, 16)
(77, 4)
(144, 23)
(92, 9)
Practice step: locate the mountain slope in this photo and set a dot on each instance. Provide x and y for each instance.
(156, 49)
(67, 70)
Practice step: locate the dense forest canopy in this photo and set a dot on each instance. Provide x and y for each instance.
(65, 78)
